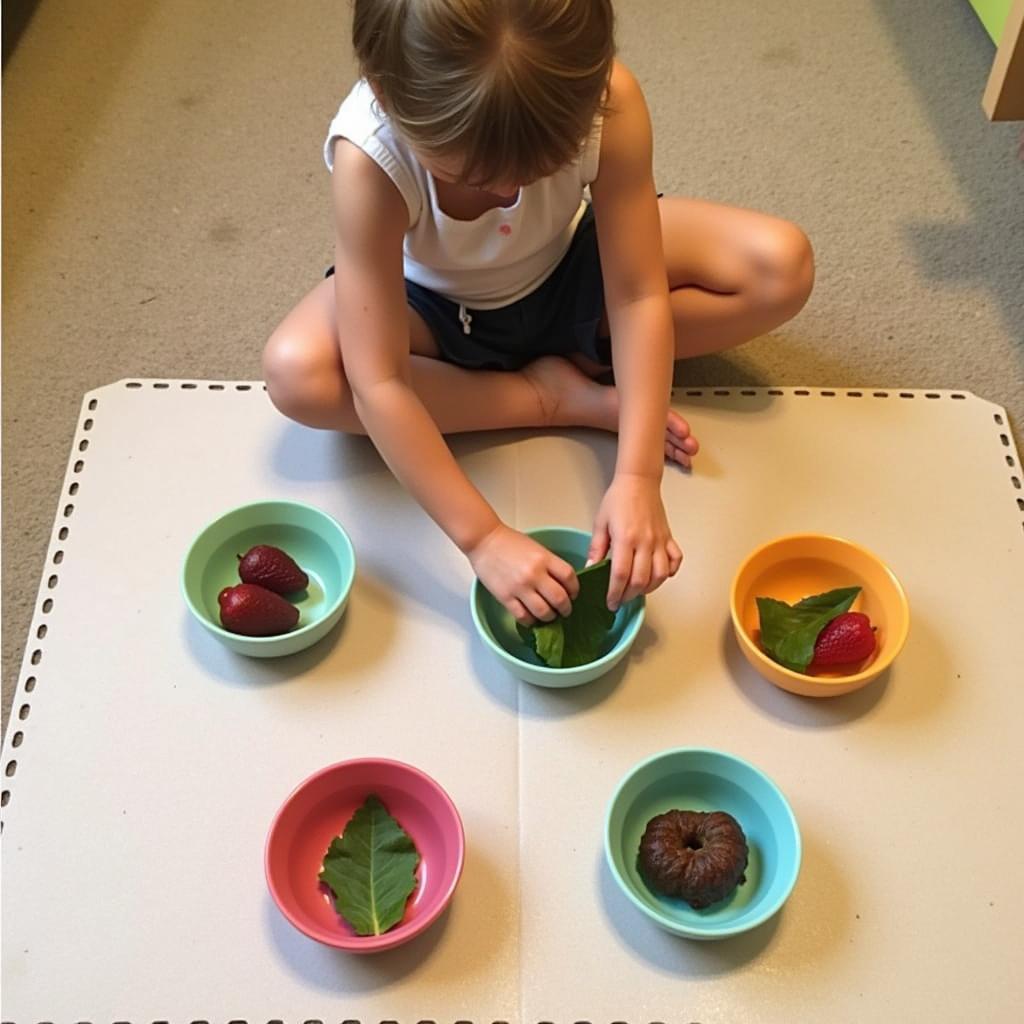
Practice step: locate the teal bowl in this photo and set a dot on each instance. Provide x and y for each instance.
(696, 779)
(319, 545)
(497, 628)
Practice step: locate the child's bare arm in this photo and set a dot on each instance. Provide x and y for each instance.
(370, 222)
(632, 520)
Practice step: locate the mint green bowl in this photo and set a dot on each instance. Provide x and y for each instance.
(319, 545)
(698, 779)
(497, 628)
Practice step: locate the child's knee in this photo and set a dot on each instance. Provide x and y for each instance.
(288, 367)
(302, 377)
(786, 260)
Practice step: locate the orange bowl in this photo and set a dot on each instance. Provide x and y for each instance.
(795, 567)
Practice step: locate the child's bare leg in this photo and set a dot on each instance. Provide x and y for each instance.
(306, 381)
(734, 274)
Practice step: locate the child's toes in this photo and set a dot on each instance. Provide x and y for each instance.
(677, 426)
(678, 433)
(683, 441)
(676, 454)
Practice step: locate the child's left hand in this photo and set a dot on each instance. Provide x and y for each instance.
(632, 524)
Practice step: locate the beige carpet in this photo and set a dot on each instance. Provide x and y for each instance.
(164, 201)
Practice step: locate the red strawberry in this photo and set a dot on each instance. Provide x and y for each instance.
(255, 611)
(847, 638)
(270, 567)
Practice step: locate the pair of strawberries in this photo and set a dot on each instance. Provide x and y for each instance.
(255, 606)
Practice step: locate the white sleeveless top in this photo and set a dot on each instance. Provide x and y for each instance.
(485, 263)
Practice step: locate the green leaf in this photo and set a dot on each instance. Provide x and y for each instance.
(549, 642)
(578, 638)
(789, 632)
(371, 869)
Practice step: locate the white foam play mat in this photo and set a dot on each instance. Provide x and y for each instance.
(144, 761)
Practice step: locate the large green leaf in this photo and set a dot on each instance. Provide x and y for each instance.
(789, 632)
(371, 869)
(578, 638)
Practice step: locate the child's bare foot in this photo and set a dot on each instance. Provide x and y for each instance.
(570, 398)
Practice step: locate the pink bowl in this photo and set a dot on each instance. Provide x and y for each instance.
(320, 808)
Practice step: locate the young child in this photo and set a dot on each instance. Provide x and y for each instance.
(474, 287)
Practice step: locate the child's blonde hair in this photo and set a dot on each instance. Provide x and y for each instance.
(508, 87)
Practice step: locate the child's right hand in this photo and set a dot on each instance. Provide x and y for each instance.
(530, 581)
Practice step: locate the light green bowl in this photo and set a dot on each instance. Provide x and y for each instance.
(497, 627)
(317, 543)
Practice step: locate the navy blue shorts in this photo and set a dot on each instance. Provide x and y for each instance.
(560, 317)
